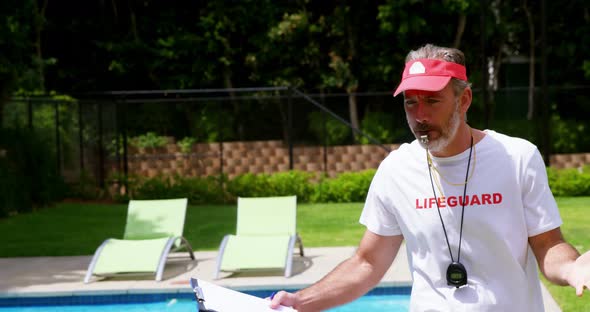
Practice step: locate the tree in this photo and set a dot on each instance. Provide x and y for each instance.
(13, 44)
(344, 28)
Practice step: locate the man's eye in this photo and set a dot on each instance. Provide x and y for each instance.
(410, 103)
(432, 101)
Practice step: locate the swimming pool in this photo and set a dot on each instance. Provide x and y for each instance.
(391, 299)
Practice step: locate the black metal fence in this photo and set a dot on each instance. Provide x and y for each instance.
(93, 133)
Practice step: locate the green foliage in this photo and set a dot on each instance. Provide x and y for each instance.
(197, 190)
(586, 68)
(392, 18)
(186, 144)
(212, 124)
(314, 45)
(250, 185)
(341, 75)
(348, 187)
(569, 182)
(85, 188)
(44, 117)
(380, 127)
(201, 190)
(278, 184)
(568, 136)
(289, 26)
(153, 188)
(150, 139)
(29, 176)
(292, 183)
(519, 128)
(115, 146)
(327, 129)
(14, 188)
(345, 188)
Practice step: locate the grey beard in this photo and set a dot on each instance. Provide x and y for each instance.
(443, 142)
(447, 133)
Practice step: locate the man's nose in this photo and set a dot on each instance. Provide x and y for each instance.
(422, 113)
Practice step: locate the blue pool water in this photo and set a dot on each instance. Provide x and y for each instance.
(380, 299)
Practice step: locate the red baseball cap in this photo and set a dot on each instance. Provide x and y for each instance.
(429, 75)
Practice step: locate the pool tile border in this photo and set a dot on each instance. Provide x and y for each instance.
(143, 296)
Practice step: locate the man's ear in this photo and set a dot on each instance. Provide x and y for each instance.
(465, 100)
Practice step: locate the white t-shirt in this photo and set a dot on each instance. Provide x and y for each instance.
(507, 200)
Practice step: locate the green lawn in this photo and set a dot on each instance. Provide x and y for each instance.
(77, 229)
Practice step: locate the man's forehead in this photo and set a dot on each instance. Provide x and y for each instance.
(422, 93)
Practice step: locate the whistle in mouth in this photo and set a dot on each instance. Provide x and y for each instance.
(424, 139)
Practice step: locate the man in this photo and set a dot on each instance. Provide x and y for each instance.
(474, 207)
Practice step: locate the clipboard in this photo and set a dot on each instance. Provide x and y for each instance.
(214, 298)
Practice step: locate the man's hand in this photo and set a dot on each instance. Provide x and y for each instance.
(283, 298)
(349, 280)
(579, 274)
(560, 262)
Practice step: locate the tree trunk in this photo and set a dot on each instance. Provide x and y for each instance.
(531, 90)
(496, 66)
(2, 101)
(353, 111)
(492, 82)
(39, 13)
(232, 96)
(352, 84)
(115, 11)
(460, 31)
(133, 23)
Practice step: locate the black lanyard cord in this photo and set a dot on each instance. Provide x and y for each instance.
(462, 203)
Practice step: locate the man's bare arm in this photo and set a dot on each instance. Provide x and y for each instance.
(350, 279)
(560, 262)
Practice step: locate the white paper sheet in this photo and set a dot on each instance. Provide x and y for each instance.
(224, 299)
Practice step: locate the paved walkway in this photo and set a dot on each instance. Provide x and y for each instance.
(62, 276)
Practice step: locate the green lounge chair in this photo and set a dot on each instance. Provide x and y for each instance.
(153, 229)
(265, 236)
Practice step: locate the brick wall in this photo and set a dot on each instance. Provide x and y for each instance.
(252, 157)
(256, 157)
(577, 160)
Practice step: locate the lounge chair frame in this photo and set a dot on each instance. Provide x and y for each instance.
(294, 240)
(173, 244)
(161, 263)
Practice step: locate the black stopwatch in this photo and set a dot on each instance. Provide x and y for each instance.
(456, 275)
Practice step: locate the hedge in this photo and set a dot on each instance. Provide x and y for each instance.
(309, 187)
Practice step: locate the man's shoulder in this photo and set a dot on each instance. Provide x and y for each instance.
(510, 141)
(404, 152)
(400, 157)
(515, 147)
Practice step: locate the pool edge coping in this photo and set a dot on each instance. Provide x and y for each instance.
(183, 290)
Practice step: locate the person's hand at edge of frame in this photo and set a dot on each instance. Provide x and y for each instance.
(580, 274)
(283, 298)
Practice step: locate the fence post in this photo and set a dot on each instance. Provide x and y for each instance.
(221, 163)
(57, 137)
(125, 151)
(100, 147)
(325, 133)
(80, 135)
(290, 126)
(30, 114)
(118, 156)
